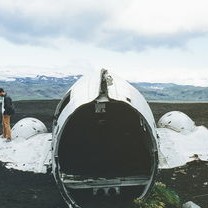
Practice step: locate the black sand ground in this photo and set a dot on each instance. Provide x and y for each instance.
(28, 190)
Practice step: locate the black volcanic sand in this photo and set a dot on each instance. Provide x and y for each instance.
(28, 190)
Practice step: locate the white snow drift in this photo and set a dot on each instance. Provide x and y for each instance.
(30, 147)
(179, 142)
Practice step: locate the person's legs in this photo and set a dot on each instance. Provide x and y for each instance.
(7, 128)
(3, 126)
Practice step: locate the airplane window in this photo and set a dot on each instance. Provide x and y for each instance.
(128, 99)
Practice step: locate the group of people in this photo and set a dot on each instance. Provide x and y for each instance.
(7, 111)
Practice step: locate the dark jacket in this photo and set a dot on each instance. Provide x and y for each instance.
(8, 106)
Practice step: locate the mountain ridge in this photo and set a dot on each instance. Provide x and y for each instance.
(52, 87)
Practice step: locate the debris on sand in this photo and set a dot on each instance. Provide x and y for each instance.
(190, 204)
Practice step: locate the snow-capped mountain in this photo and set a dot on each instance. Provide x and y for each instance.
(10, 74)
(37, 87)
(172, 92)
(43, 78)
(31, 86)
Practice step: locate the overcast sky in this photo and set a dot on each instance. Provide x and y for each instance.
(140, 40)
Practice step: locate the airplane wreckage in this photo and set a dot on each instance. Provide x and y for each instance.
(105, 144)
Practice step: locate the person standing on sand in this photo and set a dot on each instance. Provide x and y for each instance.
(7, 111)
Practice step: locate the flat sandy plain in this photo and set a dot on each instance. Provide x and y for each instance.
(28, 190)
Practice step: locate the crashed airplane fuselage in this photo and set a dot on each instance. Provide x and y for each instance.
(105, 146)
(104, 142)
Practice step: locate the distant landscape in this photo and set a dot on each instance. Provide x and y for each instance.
(49, 87)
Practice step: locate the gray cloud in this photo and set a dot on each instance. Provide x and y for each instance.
(85, 27)
(129, 41)
(21, 29)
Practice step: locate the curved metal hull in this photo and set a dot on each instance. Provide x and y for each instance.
(104, 151)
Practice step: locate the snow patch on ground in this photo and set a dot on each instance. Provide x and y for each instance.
(32, 154)
(176, 149)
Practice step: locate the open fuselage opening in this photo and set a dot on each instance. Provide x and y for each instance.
(107, 142)
(106, 155)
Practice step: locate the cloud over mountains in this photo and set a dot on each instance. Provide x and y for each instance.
(122, 25)
(140, 40)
